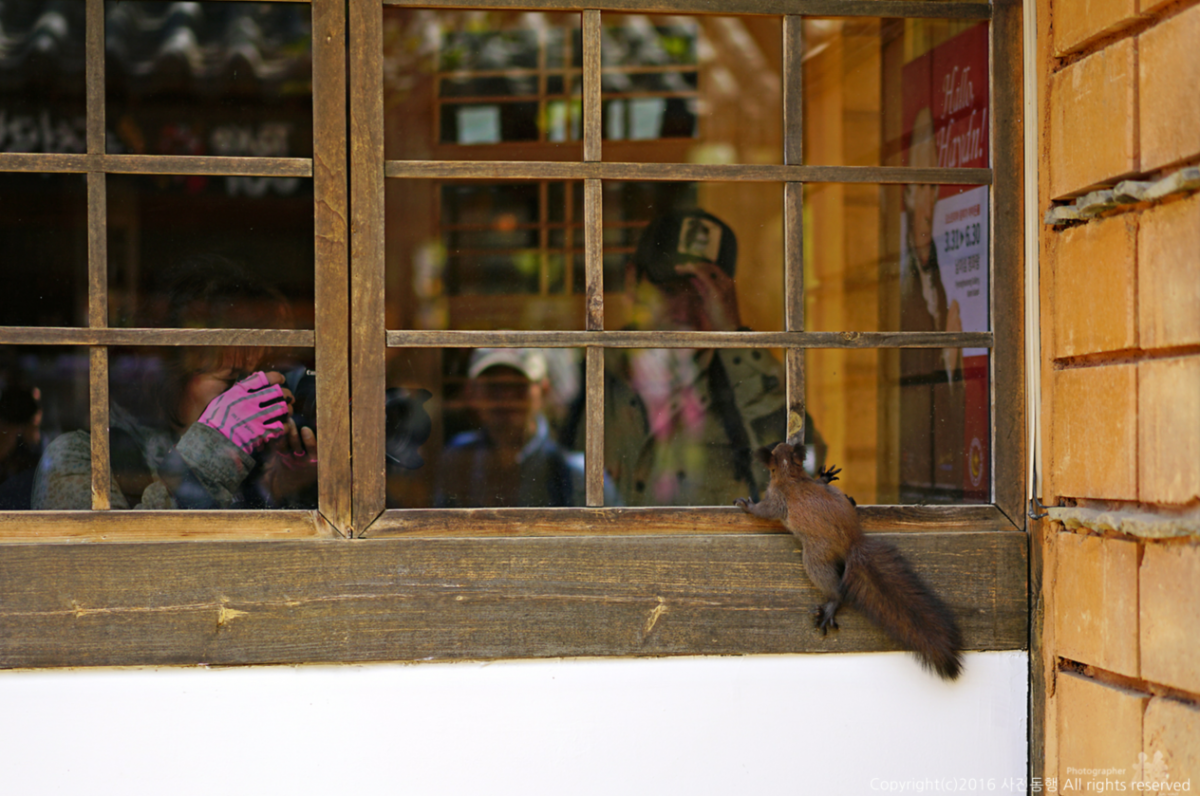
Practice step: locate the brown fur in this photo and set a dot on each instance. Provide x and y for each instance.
(848, 566)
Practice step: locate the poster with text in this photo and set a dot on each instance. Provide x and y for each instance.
(944, 275)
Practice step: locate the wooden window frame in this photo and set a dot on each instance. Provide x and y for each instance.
(355, 582)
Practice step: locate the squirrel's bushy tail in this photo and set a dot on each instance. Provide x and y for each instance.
(879, 582)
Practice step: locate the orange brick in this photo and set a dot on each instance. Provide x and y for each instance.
(1096, 608)
(1078, 22)
(1170, 615)
(1169, 97)
(1169, 431)
(1172, 729)
(1099, 727)
(1092, 121)
(1169, 275)
(1094, 432)
(1094, 267)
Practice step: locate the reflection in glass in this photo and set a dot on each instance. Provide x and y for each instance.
(42, 72)
(681, 425)
(160, 227)
(907, 426)
(896, 258)
(702, 89)
(485, 255)
(457, 80)
(873, 88)
(209, 78)
(194, 428)
(43, 231)
(693, 256)
(43, 396)
(491, 428)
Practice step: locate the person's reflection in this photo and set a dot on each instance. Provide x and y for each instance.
(511, 459)
(218, 433)
(20, 444)
(681, 424)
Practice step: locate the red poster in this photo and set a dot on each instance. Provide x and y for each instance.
(944, 274)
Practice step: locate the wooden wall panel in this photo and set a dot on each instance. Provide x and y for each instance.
(445, 599)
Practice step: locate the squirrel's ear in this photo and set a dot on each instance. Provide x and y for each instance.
(798, 455)
(763, 454)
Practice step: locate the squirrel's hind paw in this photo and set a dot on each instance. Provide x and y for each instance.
(825, 617)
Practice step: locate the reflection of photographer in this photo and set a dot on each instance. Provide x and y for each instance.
(406, 428)
(680, 424)
(218, 430)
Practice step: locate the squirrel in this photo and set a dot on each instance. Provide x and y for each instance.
(849, 566)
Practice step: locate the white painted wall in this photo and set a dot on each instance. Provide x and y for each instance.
(801, 724)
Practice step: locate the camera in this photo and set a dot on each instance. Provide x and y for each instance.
(406, 428)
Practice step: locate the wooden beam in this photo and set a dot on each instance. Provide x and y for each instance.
(58, 335)
(332, 262)
(157, 526)
(447, 599)
(813, 8)
(687, 172)
(663, 339)
(642, 521)
(1007, 359)
(367, 366)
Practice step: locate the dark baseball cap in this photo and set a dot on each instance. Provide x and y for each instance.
(684, 236)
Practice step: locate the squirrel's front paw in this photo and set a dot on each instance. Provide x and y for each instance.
(742, 503)
(828, 474)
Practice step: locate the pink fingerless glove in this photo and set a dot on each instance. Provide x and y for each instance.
(250, 414)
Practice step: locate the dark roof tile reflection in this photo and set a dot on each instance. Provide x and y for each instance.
(150, 47)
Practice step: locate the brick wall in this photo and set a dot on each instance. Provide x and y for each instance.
(1120, 608)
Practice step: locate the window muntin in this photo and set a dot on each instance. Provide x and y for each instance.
(551, 235)
(112, 254)
(819, 255)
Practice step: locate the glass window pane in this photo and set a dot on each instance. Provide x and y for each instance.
(484, 428)
(43, 398)
(695, 89)
(484, 255)
(209, 78)
(42, 74)
(457, 84)
(907, 426)
(179, 436)
(681, 425)
(242, 245)
(896, 92)
(43, 230)
(896, 258)
(693, 256)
